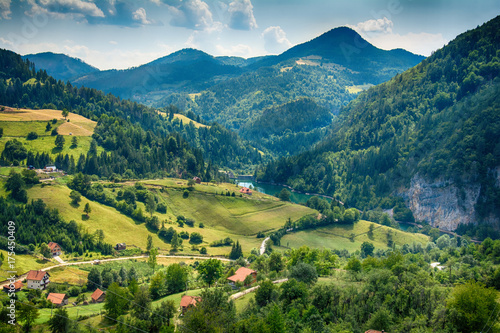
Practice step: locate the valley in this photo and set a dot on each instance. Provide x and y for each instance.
(146, 199)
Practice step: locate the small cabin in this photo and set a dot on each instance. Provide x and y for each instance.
(241, 274)
(13, 287)
(55, 249)
(197, 180)
(120, 246)
(58, 299)
(50, 168)
(188, 302)
(98, 296)
(246, 190)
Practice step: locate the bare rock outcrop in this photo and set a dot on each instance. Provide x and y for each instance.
(441, 203)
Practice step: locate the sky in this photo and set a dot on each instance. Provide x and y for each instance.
(119, 34)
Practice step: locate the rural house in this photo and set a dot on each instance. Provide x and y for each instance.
(50, 168)
(120, 246)
(241, 274)
(246, 190)
(98, 296)
(188, 302)
(55, 248)
(58, 299)
(18, 285)
(37, 280)
(197, 180)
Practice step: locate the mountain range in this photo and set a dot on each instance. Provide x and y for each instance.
(421, 143)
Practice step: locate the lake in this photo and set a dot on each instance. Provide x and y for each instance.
(271, 189)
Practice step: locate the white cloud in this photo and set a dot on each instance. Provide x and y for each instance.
(113, 42)
(6, 42)
(241, 15)
(5, 9)
(383, 25)
(419, 43)
(275, 40)
(193, 14)
(241, 50)
(379, 33)
(63, 8)
(140, 16)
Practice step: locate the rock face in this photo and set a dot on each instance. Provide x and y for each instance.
(441, 203)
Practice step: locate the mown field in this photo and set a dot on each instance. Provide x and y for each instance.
(337, 237)
(17, 124)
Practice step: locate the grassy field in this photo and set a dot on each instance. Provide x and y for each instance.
(239, 218)
(117, 227)
(337, 237)
(44, 115)
(22, 264)
(18, 123)
(185, 120)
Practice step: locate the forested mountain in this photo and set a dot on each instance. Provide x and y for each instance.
(344, 46)
(186, 70)
(429, 135)
(330, 69)
(289, 128)
(138, 141)
(60, 66)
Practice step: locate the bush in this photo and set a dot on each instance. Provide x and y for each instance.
(190, 222)
(203, 250)
(161, 208)
(32, 136)
(185, 195)
(196, 238)
(202, 225)
(184, 234)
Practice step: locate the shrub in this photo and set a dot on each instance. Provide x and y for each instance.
(196, 238)
(185, 195)
(203, 250)
(32, 136)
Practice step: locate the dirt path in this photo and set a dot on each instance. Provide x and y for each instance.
(22, 277)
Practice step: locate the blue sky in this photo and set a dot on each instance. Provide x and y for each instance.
(124, 33)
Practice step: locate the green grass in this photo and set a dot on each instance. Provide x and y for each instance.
(22, 128)
(45, 144)
(337, 237)
(23, 263)
(117, 227)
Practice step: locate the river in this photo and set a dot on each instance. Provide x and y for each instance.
(271, 189)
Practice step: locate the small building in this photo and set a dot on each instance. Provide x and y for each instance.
(120, 246)
(374, 331)
(188, 302)
(98, 296)
(50, 168)
(197, 180)
(17, 286)
(246, 190)
(58, 299)
(241, 274)
(37, 280)
(55, 249)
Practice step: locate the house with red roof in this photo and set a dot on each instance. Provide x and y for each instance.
(246, 190)
(55, 249)
(37, 280)
(58, 299)
(16, 286)
(188, 302)
(241, 274)
(98, 296)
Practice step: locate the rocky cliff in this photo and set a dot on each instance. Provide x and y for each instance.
(441, 203)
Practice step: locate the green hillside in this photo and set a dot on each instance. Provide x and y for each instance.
(350, 237)
(438, 119)
(239, 218)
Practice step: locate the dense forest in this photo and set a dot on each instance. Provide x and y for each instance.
(439, 119)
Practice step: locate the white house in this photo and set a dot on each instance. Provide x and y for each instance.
(37, 280)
